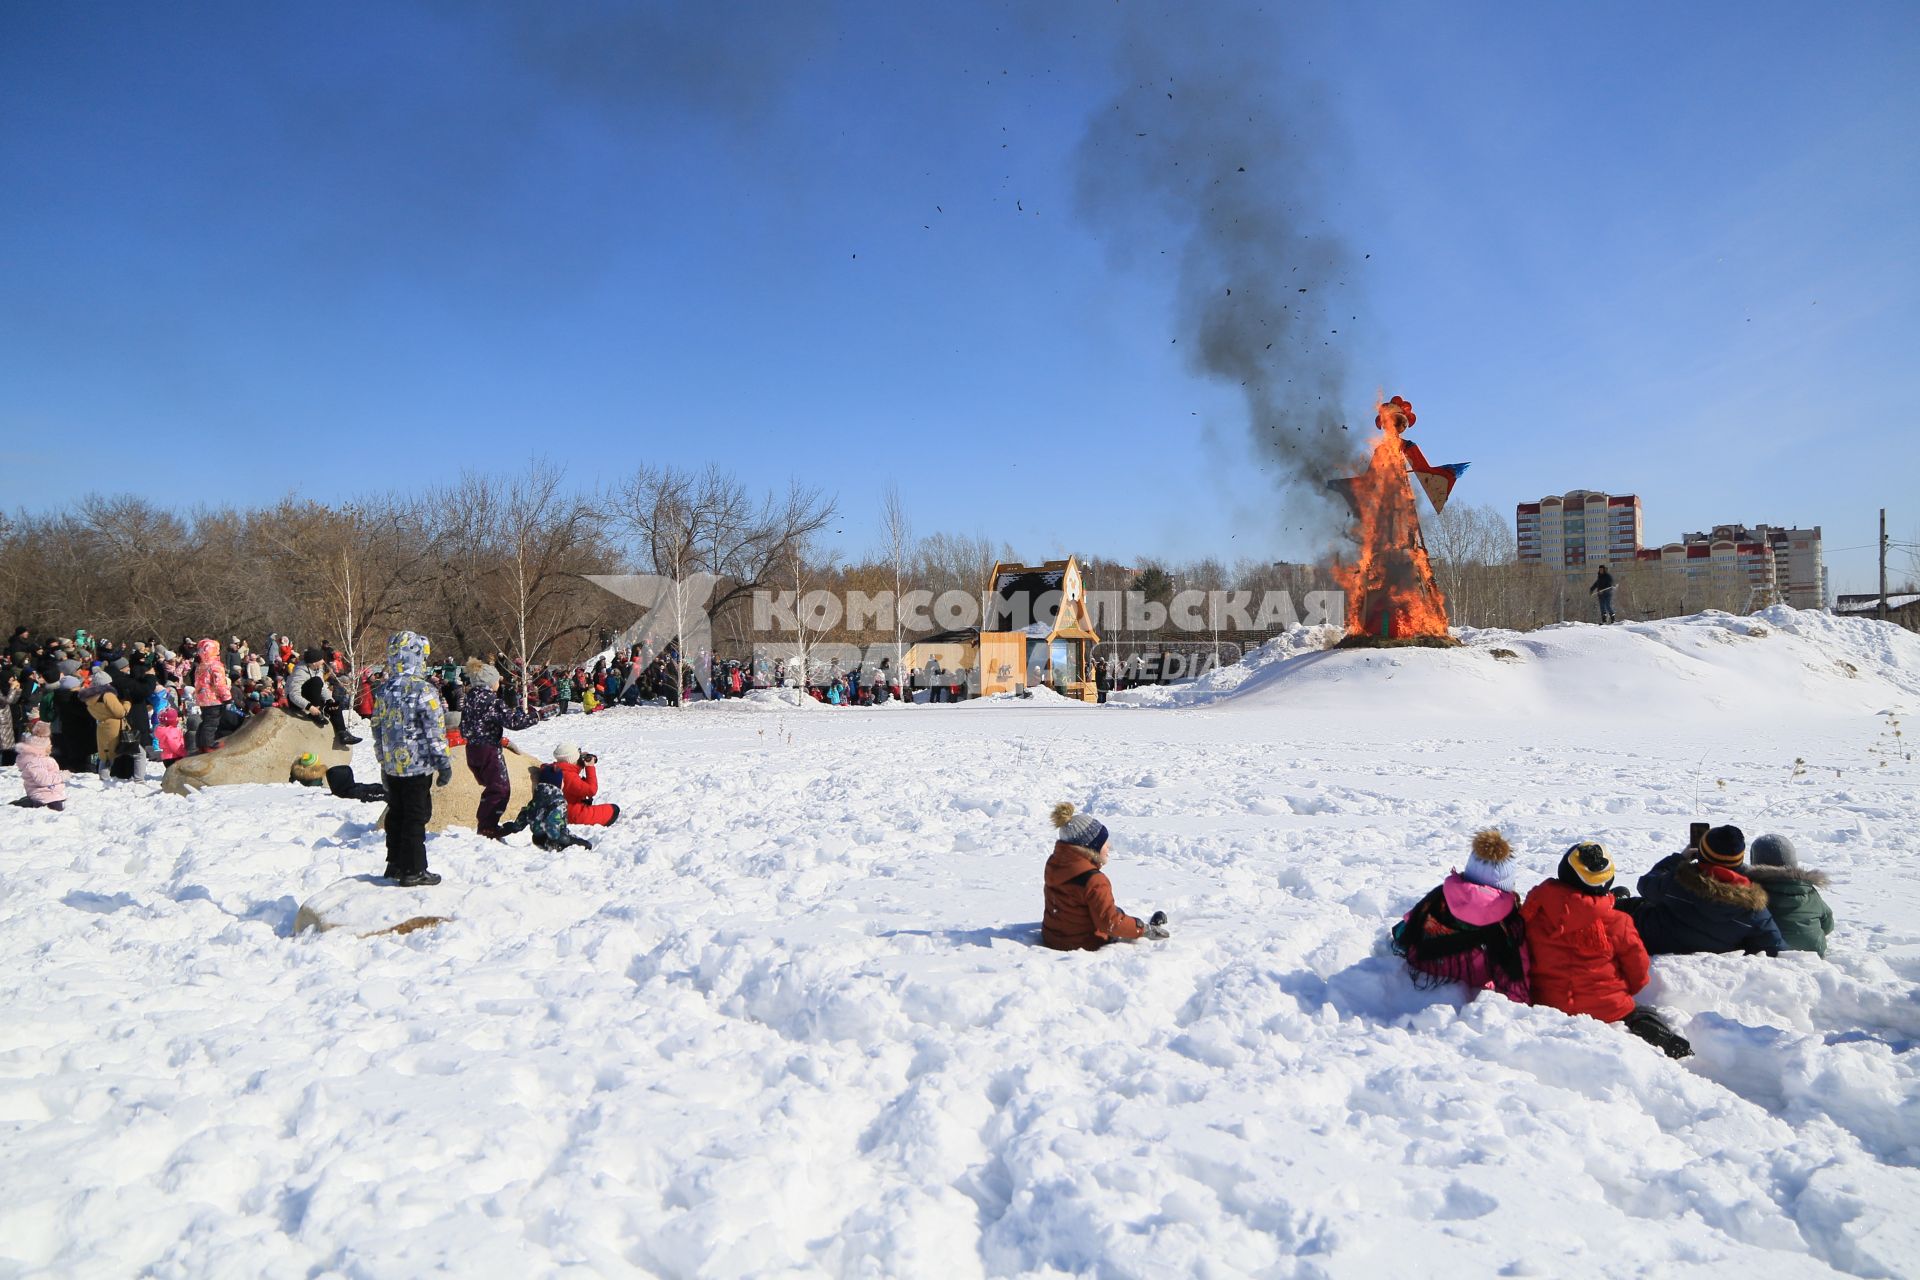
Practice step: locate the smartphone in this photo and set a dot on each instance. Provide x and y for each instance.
(1695, 830)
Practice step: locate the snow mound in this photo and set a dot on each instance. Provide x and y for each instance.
(1779, 661)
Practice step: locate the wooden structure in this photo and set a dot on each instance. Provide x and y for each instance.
(1037, 632)
(957, 654)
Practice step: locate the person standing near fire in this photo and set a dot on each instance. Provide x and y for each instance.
(1603, 588)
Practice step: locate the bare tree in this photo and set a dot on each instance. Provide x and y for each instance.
(898, 532)
(677, 523)
(661, 509)
(1469, 546)
(807, 569)
(519, 551)
(947, 562)
(364, 566)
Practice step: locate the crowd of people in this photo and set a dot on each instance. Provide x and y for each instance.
(80, 702)
(94, 704)
(1580, 943)
(84, 703)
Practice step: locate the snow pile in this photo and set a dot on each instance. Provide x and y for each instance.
(788, 1017)
(1793, 661)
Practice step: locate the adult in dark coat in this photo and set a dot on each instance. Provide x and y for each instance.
(1602, 588)
(1695, 901)
(73, 746)
(134, 681)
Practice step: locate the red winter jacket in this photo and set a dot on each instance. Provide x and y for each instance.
(1080, 912)
(1587, 956)
(579, 784)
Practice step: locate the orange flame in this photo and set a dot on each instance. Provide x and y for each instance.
(1389, 585)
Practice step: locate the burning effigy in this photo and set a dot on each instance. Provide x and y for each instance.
(1391, 594)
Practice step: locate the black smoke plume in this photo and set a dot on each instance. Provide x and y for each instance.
(1219, 167)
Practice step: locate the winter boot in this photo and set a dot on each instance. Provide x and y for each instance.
(341, 741)
(616, 815)
(418, 880)
(1652, 1028)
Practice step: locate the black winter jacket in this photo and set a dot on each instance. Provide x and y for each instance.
(1687, 908)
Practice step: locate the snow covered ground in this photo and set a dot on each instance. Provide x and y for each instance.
(788, 1017)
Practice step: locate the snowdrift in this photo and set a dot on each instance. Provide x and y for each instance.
(1782, 660)
(788, 1017)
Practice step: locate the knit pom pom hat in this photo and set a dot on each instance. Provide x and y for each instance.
(1588, 868)
(1723, 846)
(567, 753)
(486, 677)
(1491, 863)
(1079, 828)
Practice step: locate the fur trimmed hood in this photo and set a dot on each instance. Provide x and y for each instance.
(1787, 875)
(1717, 884)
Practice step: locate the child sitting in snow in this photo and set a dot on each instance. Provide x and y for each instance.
(1080, 912)
(580, 783)
(1468, 929)
(1697, 900)
(46, 788)
(1793, 894)
(1586, 955)
(546, 816)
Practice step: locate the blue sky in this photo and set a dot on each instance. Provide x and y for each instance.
(252, 248)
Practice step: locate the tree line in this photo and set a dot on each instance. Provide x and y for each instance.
(502, 563)
(492, 563)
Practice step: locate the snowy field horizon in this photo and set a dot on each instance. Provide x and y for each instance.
(790, 1016)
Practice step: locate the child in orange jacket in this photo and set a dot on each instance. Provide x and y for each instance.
(1080, 911)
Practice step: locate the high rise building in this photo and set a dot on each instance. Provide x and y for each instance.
(1796, 574)
(1727, 569)
(1581, 528)
(1734, 566)
(1743, 567)
(1803, 566)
